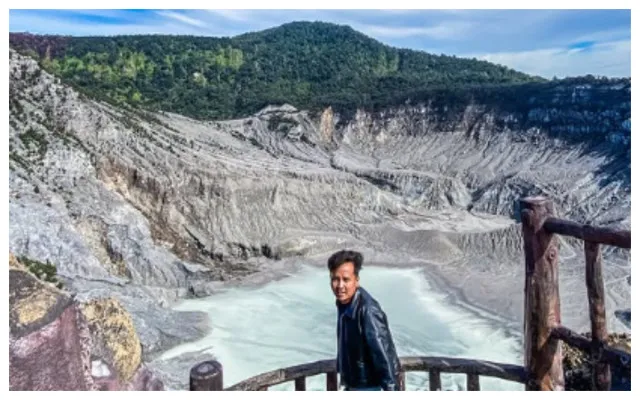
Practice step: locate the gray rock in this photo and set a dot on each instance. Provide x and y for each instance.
(174, 372)
(624, 316)
(159, 328)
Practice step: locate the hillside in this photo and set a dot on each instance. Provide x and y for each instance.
(308, 65)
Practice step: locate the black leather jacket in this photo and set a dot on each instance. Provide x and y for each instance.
(366, 353)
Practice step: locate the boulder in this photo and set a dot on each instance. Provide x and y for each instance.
(56, 343)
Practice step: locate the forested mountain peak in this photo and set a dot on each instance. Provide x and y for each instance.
(307, 64)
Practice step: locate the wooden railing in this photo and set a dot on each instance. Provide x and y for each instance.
(543, 330)
(208, 375)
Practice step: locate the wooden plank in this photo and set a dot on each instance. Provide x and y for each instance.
(597, 313)
(434, 380)
(543, 355)
(621, 359)
(332, 381)
(301, 384)
(612, 237)
(473, 382)
(206, 376)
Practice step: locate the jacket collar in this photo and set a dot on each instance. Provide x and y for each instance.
(353, 306)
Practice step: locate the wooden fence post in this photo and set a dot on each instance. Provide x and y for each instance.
(595, 290)
(543, 354)
(473, 382)
(332, 381)
(434, 380)
(301, 384)
(206, 376)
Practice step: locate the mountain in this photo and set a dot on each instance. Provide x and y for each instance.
(310, 65)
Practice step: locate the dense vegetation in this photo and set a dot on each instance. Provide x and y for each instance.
(44, 271)
(308, 65)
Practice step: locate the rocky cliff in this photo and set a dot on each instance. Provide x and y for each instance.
(149, 208)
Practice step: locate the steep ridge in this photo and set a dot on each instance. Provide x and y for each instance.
(154, 207)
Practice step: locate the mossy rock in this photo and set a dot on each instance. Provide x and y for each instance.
(32, 302)
(114, 337)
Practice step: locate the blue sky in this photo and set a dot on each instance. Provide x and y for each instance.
(541, 42)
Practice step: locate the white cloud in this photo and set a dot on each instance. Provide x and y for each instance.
(181, 18)
(446, 30)
(610, 59)
(234, 15)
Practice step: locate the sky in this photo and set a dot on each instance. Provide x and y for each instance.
(547, 43)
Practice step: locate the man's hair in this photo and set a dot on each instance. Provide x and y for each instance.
(344, 256)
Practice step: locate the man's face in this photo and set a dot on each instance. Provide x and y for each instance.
(344, 282)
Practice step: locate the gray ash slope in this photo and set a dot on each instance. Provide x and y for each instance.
(155, 207)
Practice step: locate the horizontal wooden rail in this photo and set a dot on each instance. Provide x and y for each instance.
(435, 365)
(279, 376)
(589, 233)
(508, 372)
(613, 356)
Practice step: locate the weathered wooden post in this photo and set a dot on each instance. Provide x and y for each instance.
(301, 384)
(543, 354)
(601, 377)
(206, 376)
(434, 380)
(332, 381)
(473, 382)
(402, 381)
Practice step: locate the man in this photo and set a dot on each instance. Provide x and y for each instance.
(367, 358)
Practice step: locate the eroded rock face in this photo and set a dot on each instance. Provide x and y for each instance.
(56, 343)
